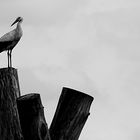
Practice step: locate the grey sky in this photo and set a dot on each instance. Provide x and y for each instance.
(88, 45)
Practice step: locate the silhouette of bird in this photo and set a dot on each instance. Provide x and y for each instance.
(10, 39)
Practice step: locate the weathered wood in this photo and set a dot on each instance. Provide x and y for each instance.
(31, 113)
(71, 114)
(9, 79)
(9, 120)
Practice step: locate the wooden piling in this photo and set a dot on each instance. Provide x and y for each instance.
(71, 114)
(10, 128)
(22, 117)
(31, 114)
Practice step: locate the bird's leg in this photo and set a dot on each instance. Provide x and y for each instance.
(8, 57)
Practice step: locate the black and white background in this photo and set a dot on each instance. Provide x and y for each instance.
(89, 45)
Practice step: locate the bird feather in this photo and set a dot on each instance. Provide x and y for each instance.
(10, 36)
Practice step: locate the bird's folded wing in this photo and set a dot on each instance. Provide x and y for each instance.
(8, 36)
(4, 45)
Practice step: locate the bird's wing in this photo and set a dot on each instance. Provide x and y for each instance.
(4, 44)
(10, 36)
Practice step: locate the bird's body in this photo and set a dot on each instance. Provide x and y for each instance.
(10, 39)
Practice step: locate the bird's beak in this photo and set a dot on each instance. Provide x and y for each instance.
(14, 22)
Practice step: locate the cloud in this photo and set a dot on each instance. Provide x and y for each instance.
(109, 5)
(43, 12)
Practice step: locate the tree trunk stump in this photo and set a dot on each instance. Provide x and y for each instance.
(9, 120)
(31, 113)
(9, 78)
(70, 116)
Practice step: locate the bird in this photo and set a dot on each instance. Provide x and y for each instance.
(9, 40)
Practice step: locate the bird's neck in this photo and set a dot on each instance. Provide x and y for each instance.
(19, 26)
(19, 29)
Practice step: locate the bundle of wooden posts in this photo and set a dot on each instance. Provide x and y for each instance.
(22, 117)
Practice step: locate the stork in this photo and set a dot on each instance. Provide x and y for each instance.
(10, 39)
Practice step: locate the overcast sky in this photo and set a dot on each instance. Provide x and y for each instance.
(88, 45)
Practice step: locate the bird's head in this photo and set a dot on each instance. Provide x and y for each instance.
(19, 19)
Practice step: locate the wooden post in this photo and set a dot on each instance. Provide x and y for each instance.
(9, 79)
(9, 120)
(31, 113)
(71, 114)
